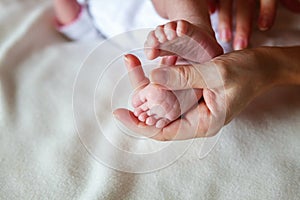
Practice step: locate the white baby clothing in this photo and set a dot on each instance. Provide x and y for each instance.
(99, 18)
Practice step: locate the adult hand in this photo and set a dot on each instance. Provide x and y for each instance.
(229, 83)
(245, 10)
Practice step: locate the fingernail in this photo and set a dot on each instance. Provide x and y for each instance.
(159, 76)
(115, 114)
(225, 35)
(240, 44)
(126, 59)
(263, 23)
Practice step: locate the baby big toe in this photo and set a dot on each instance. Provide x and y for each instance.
(151, 121)
(183, 28)
(142, 117)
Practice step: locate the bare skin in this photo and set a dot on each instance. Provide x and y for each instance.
(189, 35)
(160, 107)
(194, 42)
(242, 81)
(192, 38)
(182, 38)
(66, 11)
(244, 11)
(186, 17)
(153, 105)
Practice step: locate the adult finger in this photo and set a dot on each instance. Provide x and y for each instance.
(181, 129)
(225, 18)
(193, 124)
(198, 122)
(267, 14)
(244, 13)
(135, 71)
(130, 121)
(187, 76)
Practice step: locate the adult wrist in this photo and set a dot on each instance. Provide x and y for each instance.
(292, 65)
(268, 66)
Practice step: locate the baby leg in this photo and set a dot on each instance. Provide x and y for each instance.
(66, 11)
(182, 38)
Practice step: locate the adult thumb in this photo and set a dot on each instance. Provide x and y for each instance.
(135, 71)
(179, 77)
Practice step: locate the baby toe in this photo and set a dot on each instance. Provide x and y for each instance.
(151, 121)
(183, 27)
(170, 30)
(152, 40)
(137, 111)
(142, 117)
(160, 34)
(150, 46)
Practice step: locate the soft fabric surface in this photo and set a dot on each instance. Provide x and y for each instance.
(42, 156)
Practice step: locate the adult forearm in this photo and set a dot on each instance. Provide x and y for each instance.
(291, 65)
(288, 59)
(277, 65)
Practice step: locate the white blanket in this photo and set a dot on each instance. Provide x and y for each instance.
(51, 147)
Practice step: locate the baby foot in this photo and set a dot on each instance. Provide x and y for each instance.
(159, 107)
(153, 105)
(191, 42)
